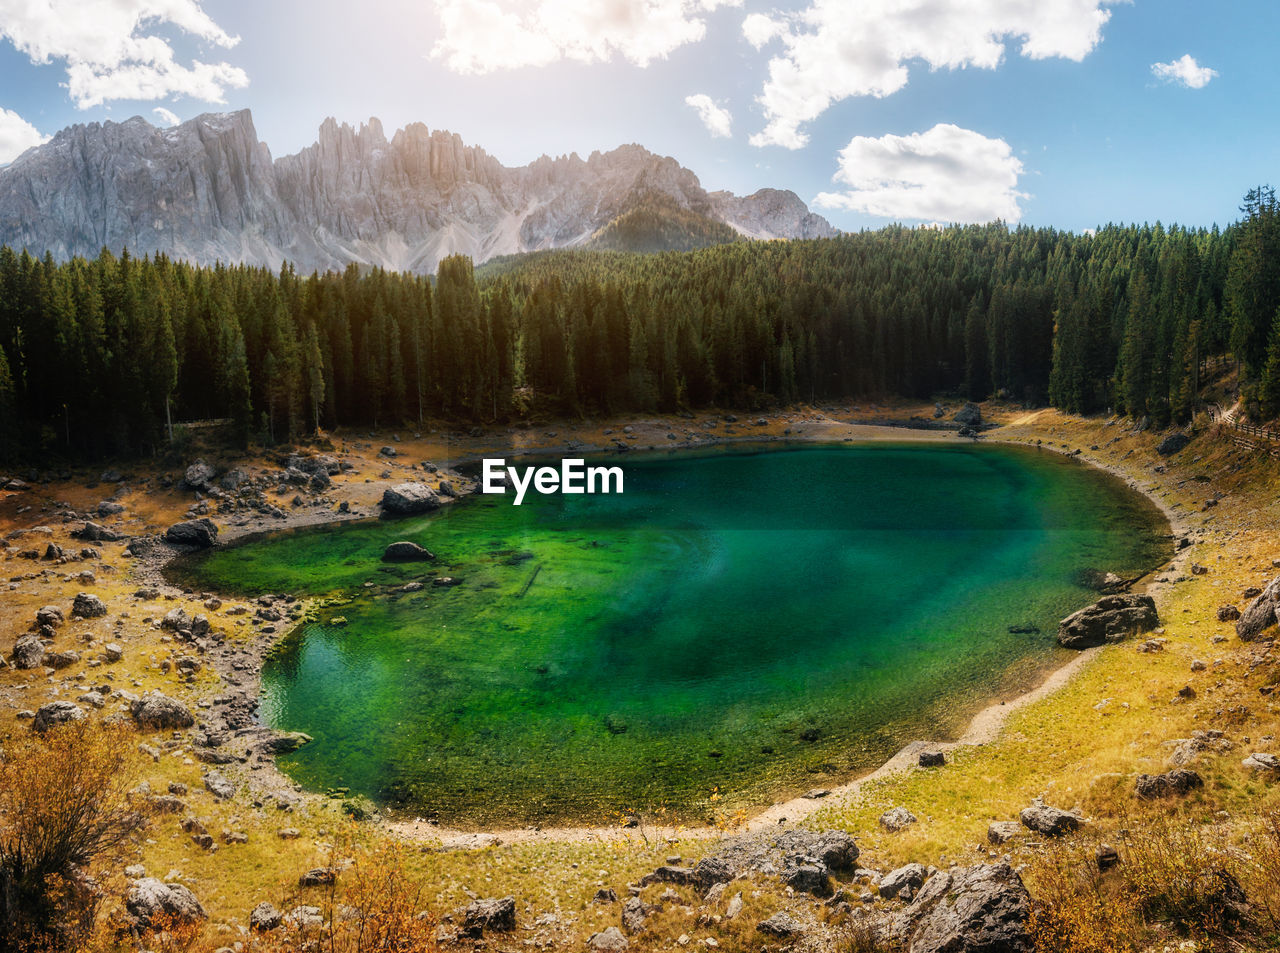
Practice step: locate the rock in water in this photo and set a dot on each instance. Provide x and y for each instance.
(201, 533)
(1110, 619)
(406, 499)
(406, 552)
(1261, 614)
(980, 909)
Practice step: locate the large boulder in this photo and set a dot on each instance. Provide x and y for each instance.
(56, 713)
(1172, 443)
(495, 913)
(980, 909)
(264, 917)
(150, 902)
(1110, 619)
(608, 941)
(1049, 821)
(96, 533)
(1151, 787)
(970, 415)
(406, 552)
(28, 652)
(51, 616)
(904, 881)
(154, 710)
(405, 499)
(201, 533)
(1262, 613)
(88, 606)
(198, 475)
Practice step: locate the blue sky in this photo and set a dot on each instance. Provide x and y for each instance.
(1048, 112)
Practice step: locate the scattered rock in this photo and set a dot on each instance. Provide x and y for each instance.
(1049, 821)
(96, 533)
(1228, 613)
(198, 475)
(608, 940)
(149, 900)
(284, 742)
(1001, 832)
(217, 785)
(980, 909)
(897, 819)
(970, 415)
(1179, 781)
(605, 895)
(1110, 619)
(28, 652)
(497, 914)
(406, 499)
(1187, 749)
(634, 914)
(406, 552)
(316, 876)
(264, 918)
(88, 606)
(56, 713)
(1258, 761)
(809, 878)
(201, 533)
(932, 759)
(50, 616)
(109, 508)
(160, 712)
(909, 878)
(1106, 857)
(112, 652)
(781, 925)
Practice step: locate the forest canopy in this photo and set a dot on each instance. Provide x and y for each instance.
(100, 357)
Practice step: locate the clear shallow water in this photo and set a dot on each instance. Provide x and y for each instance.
(746, 624)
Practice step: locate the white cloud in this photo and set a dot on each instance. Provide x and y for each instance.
(16, 136)
(166, 117)
(715, 118)
(1184, 71)
(111, 50)
(481, 36)
(835, 49)
(946, 174)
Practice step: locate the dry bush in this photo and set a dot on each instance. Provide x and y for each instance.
(1076, 906)
(375, 906)
(63, 803)
(1262, 878)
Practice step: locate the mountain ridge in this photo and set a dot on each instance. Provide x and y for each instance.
(209, 190)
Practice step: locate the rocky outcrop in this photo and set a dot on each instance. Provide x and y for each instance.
(406, 499)
(208, 190)
(1262, 613)
(1110, 619)
(980, 909)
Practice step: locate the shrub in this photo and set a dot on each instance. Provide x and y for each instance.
(63, 803)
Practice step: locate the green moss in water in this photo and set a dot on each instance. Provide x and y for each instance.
(745, 624)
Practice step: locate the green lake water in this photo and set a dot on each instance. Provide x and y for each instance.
(744, 624)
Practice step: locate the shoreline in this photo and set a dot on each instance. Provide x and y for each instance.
(984, 727)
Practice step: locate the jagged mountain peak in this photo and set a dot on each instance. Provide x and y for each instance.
(208, 189)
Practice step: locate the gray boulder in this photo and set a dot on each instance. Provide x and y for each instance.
(634, 914)
(897, 819)
(1261, 614)
(1049, 821)
(495, 913)
(51, 616)
(406, 499)
(781, 925)
(1151, 787)
(608, 941)
(809, 878)
(88, 606)
(406, 552)
(198, 475)
(970, 415)
(980, 909)
(28, 652)
(149, 900)
(96, 533)
(109, 508)
(264, 918)
(1110, 619)
(160, 712)
(201, 533)
(54, 714)
(904, 881)
(1262, 761)
(224, 790)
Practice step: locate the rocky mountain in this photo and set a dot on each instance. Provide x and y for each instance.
(209, 190)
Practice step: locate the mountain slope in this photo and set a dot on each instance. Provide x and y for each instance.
(208, 190)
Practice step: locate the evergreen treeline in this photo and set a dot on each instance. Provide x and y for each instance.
(100, 356)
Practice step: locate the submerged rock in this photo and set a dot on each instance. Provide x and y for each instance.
(406, 552)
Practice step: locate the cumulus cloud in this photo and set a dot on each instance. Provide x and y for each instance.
(1184, 71)
(715, 118)
(16, 136)
(481, 36)
(166, 117)
(111, 50)
(946, 174)
(835, 49)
